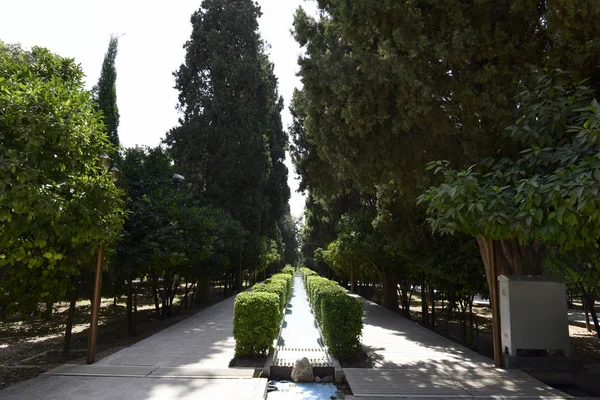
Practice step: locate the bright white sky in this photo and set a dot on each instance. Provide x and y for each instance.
(150, 49)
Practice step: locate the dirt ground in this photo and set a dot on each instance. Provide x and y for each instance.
(584, 345)
(31, 346)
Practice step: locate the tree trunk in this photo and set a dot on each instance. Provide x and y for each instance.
(5, 269)
(69, 327)
(188, 289)
(590, 305)
(48, 311)
(432, 299)
(405, 299)
(424, 309)
(587, 316)
(185, 298)
(463, 320)
(129, 307)
(471, 322)
(390, 290)
(238, 276)
(155, 295)
(512, 257)
(202, 290)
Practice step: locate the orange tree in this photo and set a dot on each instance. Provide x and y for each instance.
(56, 207)
(545, 197)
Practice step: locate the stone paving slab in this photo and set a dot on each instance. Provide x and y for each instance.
(187, 372)
(402, 382)
(50, 387)
(101, 370)
(484, 382)
(204, 340)
(193, 358)
(394, 341)
(424, 362)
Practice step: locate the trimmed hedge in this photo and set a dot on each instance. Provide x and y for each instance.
(338, 315)
(256, 319)
(277, 289)
(288, 280)
(322, 289)
(277, 286)
(288, 269)
(306, 272)
(342, 324)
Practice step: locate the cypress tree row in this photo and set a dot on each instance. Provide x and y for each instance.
(230, 143)
(105, 92)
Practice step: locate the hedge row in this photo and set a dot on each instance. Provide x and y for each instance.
(338, 315)
(256, 319)
(288, 280)
(257, 315)
(288, 269)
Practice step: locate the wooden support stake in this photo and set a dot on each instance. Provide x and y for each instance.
(495, 304)
(91, 353)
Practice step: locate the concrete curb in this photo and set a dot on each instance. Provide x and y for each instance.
(261, 389)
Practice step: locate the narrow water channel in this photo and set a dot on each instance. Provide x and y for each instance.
(299, 331)
(300, 338)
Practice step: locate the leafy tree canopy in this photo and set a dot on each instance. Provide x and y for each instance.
(56, 206)
(549, 192)
(230, 143)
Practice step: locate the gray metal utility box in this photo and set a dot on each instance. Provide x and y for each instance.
(533, 315)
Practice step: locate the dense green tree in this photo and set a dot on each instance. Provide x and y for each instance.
(230, 144)
(389, 86)
(358, 245)
(105, 92)
(56, 205)
(277, 189)
(289, 234)
(168, 236)
(545, 197)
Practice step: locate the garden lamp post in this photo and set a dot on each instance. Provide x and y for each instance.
(104, 161)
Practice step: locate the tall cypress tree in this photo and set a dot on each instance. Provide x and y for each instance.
(227, 96)
(105, 92)
(277, 189)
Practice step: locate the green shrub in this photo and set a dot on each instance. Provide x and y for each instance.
(308, 283)
(256, 320)
(342, 324)
(270, 287)
(322, 290)
(306, 272)
(338, 315)
(314, 282)
(288, 269)
(288, 279)
(280, 287)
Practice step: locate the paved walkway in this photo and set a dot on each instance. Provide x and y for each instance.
(411, 361)
(158, 367)
(204, 340)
